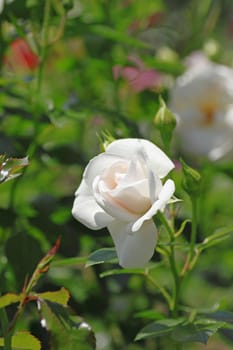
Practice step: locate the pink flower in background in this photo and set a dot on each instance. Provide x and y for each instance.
(138, 77)
(20, 56)
(202, 100)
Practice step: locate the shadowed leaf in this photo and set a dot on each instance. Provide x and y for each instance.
(23, 253)
(66, 332)
(102, 255)
(195, 332)
(158, 328)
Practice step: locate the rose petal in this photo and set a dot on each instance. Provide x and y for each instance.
(87, 211)
(164, 196)
(130, 148)
(97, 166)
(108, 204)
(134, 250)
(135, 197)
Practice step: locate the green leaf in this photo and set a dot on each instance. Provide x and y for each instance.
(23, 340)
(224, 316)
(216, 237)
(9, 167)
(69, 261)
(100, 256)
(61, 296)
(150, 314)
(122, 272)
(66, 332)
(9, 298)
(158, 328)
(194, 332)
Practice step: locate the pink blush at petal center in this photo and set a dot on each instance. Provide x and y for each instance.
(114, 174)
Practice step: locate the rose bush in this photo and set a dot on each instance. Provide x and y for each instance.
(122, 190)
(202, 100)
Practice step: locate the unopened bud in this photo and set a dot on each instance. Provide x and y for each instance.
(165, 121)
(191, 179)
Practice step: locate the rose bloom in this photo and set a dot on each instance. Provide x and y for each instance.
(122, 190)
(202, 100)
(3, 3)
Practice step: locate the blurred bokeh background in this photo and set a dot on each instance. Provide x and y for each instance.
(72, 70)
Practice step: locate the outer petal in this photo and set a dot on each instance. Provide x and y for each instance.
(134, 250)
(87, 211)
(164, 196)
(129, 148)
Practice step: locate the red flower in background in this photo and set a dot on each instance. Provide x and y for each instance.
(20, 56)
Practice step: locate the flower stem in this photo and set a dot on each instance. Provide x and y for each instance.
(191, 259)
(172, 262)
(162, 290)
(35, 99)
(194, 227)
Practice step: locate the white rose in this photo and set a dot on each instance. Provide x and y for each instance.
(202, 99)
(4, 2)
(122, 190)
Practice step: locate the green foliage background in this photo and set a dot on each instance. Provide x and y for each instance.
(56, 114)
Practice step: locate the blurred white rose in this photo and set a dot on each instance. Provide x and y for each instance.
(4, 2)
(202, 100)
(122, 190)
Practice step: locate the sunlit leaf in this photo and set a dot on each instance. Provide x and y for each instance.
(69, 261)
(9, 167)
(9, 298)
(61, 296)
(150, 314)
(23, 340)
